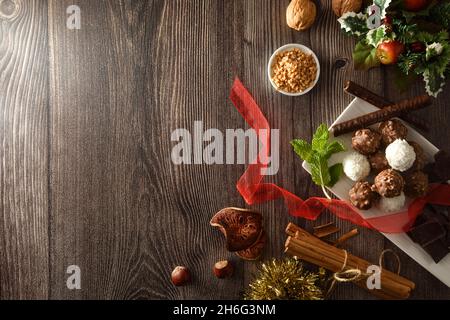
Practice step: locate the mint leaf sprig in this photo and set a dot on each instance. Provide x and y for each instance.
(316, 154)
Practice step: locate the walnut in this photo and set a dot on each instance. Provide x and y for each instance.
(343, 6)
(301, 14)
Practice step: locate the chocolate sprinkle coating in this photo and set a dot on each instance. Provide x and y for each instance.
(420, 162)
(378, 162)
(362, 196)
(389, 183)
(416, 184)
(366, 141)
(392, 130)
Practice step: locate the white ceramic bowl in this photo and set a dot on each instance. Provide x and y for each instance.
(287, 48)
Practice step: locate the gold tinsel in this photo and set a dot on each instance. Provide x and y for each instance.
(286, 280)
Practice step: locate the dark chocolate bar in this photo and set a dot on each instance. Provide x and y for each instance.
(437, 250)
(427, 233)
(432, 231)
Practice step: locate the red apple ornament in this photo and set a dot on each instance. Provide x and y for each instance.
(389, 51)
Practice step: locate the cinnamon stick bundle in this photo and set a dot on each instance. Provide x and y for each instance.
(305, 246)
(371, 97)
(381, 115)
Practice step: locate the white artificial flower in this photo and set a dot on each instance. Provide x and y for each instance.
(436, 46)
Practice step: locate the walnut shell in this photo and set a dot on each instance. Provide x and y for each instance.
(301, 14)
(343, 6)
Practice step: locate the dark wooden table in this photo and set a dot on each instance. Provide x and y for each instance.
(86, 176)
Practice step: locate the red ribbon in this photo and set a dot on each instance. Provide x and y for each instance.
(254, 190)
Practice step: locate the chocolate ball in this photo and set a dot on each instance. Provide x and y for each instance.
(362, 196)
(378, 162)
(421, 160)
(416, 184)
(366, 141)
(392, 130)
(389, 183)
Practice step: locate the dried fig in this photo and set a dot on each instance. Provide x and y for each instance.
(343, 6)
(255, 251)
(301, 14)
(241, 227)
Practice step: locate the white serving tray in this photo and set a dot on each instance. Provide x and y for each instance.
(357, 108)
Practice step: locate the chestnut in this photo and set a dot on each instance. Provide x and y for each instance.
(181, 276)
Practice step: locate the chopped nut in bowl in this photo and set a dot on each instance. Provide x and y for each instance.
(293, 69)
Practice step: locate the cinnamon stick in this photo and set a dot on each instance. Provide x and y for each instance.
(310, 253)
(371, 97)
(344, 238)
(311, 249)
(381, 115)
(325, 230)
(293, 230)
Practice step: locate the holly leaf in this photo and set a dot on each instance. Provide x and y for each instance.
(354, 24)
(434, 82)
(376, 36)
(336, 172)
(365, 56)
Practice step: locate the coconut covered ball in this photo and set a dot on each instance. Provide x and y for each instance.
(400, 155)
(392, 204)
(356, 166)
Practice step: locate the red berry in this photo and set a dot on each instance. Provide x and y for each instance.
(388, 20)
(417, 47)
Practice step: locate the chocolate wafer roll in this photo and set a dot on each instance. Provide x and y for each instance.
(381, 115)
(380, 102)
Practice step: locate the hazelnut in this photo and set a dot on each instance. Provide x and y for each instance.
(223, 269)
(181, 276)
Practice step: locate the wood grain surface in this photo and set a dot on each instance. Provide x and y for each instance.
(86, 175)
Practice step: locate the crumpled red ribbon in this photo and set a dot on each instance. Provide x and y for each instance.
(254, 190)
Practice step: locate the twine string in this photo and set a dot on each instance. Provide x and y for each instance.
(355, 274)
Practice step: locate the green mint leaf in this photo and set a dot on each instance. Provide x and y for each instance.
(336, 172)
(302, 148)
(320, 138)
(319, 170)
(354, 24)
(332, 148)
(365, 56)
